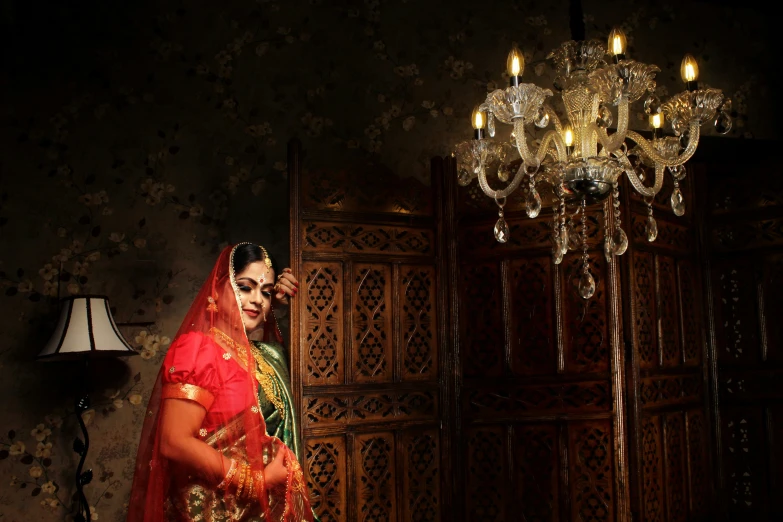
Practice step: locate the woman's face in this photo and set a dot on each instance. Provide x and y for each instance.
(255, 284)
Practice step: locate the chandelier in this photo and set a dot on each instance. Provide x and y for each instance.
(580, 160)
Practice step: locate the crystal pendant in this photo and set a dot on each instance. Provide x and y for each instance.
(651, 229)
(557, 251)
(608, 249)
(503, 173)
(533, 203)
(652, 105)
(491, 124)
(619, 241)
(463, 178)
(573, 237)
(501, 230)
(559, 83)
(679, 126)
(604, 117)
(678, 202)
(723, 123)
(542, 118)
(586, 285)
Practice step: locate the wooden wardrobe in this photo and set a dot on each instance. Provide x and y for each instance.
(443, 376)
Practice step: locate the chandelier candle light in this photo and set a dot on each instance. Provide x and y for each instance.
(579, 159)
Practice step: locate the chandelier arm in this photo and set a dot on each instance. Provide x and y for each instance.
(649, 149)
(649, 192)
(615, 141)
(560, 146)
(554, 119)
(519, 133)
(499, 194)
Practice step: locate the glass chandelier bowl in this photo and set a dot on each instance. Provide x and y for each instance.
(581, 160)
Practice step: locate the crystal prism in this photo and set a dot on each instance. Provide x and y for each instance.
(723, 123)
(501, 230)
(574, 240)
(651, 229)
(619, 241)
(608, 249)
(557, 251)
(604, 117)
(652, 105)
(542, 118)
(678, 202)
(533, 203)
(491, 125)
(586, 285)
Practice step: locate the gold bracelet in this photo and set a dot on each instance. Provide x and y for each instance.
(258, 478)
(232, 469)
(242, 476)
(250, 486)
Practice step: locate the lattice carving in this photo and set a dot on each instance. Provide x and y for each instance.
(691, 322)
(727, 195)
(699, 470)
(590, 455)
(480, 309)
(586, 321)
(419, 347)
(739, 235)
(645, 330)
(325, 461)
(772, 284)
(759, 385)
(670, 235)
(365, 190)
(422, 477)
(368, 239)
(742, 462)
(486, 480)
(323, 323)
(372, 323)
(675, 468)
(560, 398)
(668, 312)
(369, 407)
(652, 470)
(735, 304)
(533, 346)
(536, 471)
(375, 477)
(658, 391)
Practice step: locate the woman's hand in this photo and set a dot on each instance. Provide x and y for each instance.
(275, 473)
(286, 286)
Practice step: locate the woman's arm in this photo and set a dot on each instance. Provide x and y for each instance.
(179, 442)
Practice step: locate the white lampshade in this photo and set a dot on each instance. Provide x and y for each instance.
(86, 329)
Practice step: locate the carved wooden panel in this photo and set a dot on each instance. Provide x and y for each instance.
(532, 331)
(417, 313)
(745, 463)
(375, 473)
(536, 464)
(733, 235)
(671, 235)
(667, 390)
(325, 459)
(690, 311)
(727, 195)
(505, 401)
(668, 312)
(645, 330)
(591, 470)
(371, 319)
(736, 322)
(586, 327)
(367, 239)
(772, 287)
(360, 408)
(486, 473)
(323, 331)
(421, 476)
(368, 190)
(698, 462)
(674, 437)
(653, 507)
(482, 320)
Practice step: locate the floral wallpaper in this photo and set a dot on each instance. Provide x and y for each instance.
(139, 139)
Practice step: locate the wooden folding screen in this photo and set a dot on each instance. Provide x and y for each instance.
(541, 425)
(667, 370)
(744, 237)
(368, 368)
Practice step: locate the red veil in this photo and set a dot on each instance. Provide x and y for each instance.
(208, 363)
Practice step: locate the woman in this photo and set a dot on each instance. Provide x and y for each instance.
(219, 441)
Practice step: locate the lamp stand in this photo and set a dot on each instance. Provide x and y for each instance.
(81, 447)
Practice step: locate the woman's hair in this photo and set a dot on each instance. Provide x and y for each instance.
(247, 253)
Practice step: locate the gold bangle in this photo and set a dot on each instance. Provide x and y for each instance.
(232, 469)
(250, 487)
(242, 476)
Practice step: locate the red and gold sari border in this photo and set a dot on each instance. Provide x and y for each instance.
(190, 392)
